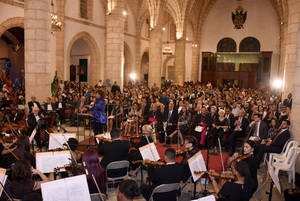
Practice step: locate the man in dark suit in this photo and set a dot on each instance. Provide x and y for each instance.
(277, 143)
(239, 129)
(117, 150)
(171, 118)
(34, 122)
(32, 103)
(258, 129)
(171, 173)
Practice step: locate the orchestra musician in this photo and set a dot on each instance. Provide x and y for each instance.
(99, 116)
(91, 159)
(190, 144)
(133, 116)
(116, 150)
(33, 103)
(60, 105)
(251, 156)
(239, 190)
(22, 181)
(171, 173)
(21, 151)
(134, 154)
(116, 115)
(35, 121)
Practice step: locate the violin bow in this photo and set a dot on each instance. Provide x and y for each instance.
(220, 148)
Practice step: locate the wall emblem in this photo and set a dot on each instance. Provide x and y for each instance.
(239, 17)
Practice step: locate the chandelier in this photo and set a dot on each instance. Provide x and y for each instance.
(56, 25)
(167, 50)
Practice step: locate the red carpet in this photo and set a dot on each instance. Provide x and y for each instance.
(214, 162)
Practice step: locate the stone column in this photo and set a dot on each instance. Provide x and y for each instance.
(138, 58)
(195, 63)
(180, 61)
(155, 57)
(38, 76)
(291, 38)
(60, 40)
(114, 68)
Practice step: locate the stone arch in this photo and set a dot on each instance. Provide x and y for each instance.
(95, 66)
(164, 72)
(226, 45)
(249, 44)
(144, 67)
(10, 23)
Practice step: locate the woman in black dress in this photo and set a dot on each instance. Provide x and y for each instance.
(220, 126)
(239, 190)
(252, 157)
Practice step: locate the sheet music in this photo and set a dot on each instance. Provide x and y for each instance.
(206, 198)
(69, 189)
(77, 188)
(47, 161)
(197, 163)
(3, 178)
(149, 152)
(54, 191)
(56, 140)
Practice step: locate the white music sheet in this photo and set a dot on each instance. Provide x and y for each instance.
(56, 140)
(206, 198)
(3, 178)
(197, 163)
(69, 189)
(47, 161)
(149, 152)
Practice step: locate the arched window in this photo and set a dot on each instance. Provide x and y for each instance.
(249, 44)
(226, 45)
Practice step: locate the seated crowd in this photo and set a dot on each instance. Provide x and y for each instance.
(196, 116)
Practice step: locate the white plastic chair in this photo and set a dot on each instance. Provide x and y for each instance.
(288, 164)
(164, 188)
(282, 156)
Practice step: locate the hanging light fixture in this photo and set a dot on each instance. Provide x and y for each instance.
(167, 49)
(56, 25)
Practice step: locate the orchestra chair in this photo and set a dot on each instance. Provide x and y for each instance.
(96, 197)
(288, 165)
(115, 166)
(282, 156)
(164, 188)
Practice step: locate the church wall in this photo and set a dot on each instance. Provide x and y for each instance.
(3, 49)
(71, 29)
(8, 11)
(262, 23)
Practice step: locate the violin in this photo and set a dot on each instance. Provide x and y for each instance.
(150, 163)
(70, 167)
(181, 152)
(216, 174)
(241, 158)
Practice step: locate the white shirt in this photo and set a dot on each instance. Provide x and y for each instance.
(49, 107)
(37, 118)
(59, 105)
(257, 129)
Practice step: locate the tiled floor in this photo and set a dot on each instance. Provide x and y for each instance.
(264, 184)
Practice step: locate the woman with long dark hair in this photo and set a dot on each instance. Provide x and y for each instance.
(22, 182)
(22, 151)
(90, 158)
(239, 190)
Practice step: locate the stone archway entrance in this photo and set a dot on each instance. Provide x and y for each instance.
(83, 55)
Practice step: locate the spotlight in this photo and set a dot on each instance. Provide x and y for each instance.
(164, 28)
(132, 76)
(124, 12)
(277, 84)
